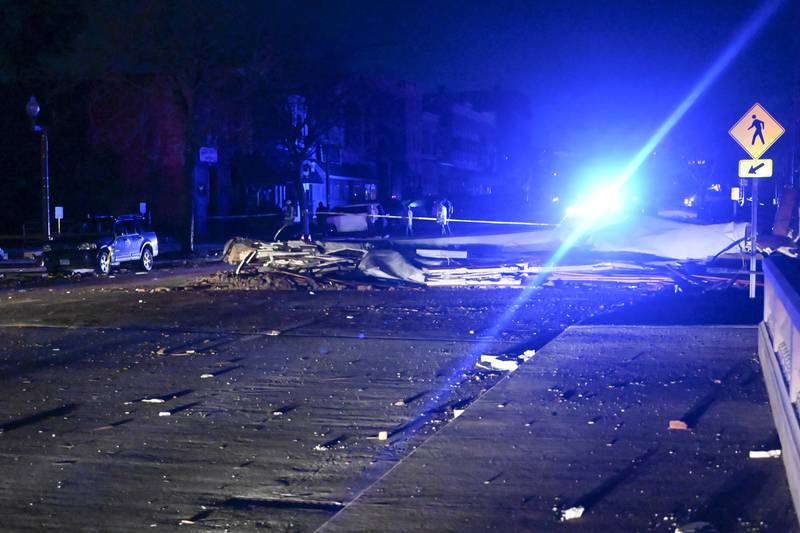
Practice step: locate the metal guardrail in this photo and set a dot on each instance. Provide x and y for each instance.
(779, 353)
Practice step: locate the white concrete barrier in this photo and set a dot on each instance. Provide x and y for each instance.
(779, 353)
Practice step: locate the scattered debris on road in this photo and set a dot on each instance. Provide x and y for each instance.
(696, 527)
(368, 265)
(501, 363)
(678, 425)
(408, 386)
(572, 513)
(765, 454)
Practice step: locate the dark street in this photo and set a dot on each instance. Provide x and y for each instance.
(346, 265)
(141, 402)
(289, 373)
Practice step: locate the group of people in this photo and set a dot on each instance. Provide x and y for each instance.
(442, 209)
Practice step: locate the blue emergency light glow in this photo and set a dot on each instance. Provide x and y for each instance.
(604, 201)
(613, 189)
(743, 37)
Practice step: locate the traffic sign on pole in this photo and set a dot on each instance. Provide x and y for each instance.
(755, 168)
(756, 131)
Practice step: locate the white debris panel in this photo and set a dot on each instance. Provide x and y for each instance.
(670, 239)
(667, 238)
(390, 264)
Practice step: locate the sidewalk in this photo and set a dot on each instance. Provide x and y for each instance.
(585, 424)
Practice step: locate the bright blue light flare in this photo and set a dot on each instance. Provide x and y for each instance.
(743, 37)
(620, 183)
(604, 201)
(583, 225)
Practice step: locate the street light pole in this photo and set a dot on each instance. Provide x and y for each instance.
(44, 150)
(32, 109)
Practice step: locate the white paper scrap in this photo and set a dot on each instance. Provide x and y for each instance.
(764, 454)
(572, 513)
(496, 363)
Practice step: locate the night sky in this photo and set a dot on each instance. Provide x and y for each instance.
(602, 75)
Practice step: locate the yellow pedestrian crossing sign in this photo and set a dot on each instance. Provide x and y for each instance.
(756, 131)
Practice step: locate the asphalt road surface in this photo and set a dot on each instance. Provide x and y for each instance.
(149, 402)
(583, 430)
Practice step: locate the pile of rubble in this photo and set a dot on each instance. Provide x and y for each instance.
(287, 265)
(265, 281)
(294, 264)
(292, 256)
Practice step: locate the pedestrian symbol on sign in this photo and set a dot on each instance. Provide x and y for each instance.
(754, 126)
(758, 125)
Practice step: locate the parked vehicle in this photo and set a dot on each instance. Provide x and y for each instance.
(101, 243)
(354, 218)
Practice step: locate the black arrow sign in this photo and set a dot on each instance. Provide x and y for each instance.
(754, 169)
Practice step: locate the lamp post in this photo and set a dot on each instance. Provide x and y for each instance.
(32, 109)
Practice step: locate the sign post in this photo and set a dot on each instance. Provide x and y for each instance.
(753, 239)
(59, 216)
(755, 132)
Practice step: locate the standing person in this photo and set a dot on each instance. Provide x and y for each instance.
(409, 222)
(322, 219)
(449, 206)
(372, 219)
(441, 218)
(288, 212)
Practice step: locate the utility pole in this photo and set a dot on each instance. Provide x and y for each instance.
(327, 156)
(753, 238)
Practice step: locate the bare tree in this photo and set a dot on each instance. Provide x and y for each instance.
(301, 115)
